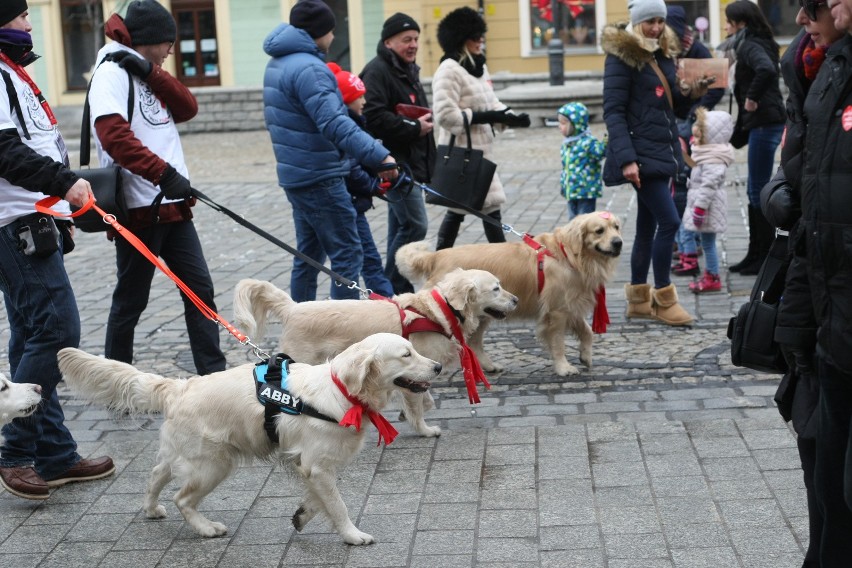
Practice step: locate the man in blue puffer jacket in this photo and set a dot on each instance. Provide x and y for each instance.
(313, 136)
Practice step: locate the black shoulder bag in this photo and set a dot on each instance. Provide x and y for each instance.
(752, 330)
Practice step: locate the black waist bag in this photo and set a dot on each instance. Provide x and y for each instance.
(752, 330)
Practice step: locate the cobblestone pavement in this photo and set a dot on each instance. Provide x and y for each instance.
(662, 455)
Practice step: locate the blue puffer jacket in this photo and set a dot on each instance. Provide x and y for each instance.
(639, 119)
(311, 131)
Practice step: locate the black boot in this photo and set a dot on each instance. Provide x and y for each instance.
(765, 233)
(449, 230)
(493, 233)
(752, 241)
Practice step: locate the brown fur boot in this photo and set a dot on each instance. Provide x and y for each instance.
(638, 300)
(667, 309)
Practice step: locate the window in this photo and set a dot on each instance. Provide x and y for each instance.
(196, 48)
(576, 21)
(82, 37)
(781, 17)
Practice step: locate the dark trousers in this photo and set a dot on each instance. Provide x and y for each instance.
(656, 224)
(178, 245)
(449, 229)
(833, 472)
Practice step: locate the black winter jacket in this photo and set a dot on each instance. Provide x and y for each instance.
(389, 82)
(827, 202)
(639, 120)
(756, 78)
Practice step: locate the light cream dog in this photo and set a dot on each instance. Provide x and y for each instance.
(585, 253)
(17, 399)
(215, 422)
(315, 331)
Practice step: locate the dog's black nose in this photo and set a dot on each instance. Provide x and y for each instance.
(437, 368)
(616, 244)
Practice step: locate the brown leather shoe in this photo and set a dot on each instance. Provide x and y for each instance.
(85, 470)
(24, 482)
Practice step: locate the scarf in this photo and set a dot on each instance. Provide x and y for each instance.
(812, 59)
(18, 46)
(354, 415)
(471, 369)
(713, 154)
(473, 64)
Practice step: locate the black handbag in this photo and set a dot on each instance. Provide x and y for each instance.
(106, 182)
(752, 330)
(462, 176)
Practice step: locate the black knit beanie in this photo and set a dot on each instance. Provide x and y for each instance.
(397, 24)
(11, 9)
(149, 23)
(313, 16)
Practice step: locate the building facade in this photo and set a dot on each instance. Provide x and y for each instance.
(219, 42)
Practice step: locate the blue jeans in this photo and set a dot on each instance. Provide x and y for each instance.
(656, 225)
(711, 258)
(372, 271)
(43, 319)
(762, 143)
(687, 241)
(178, 245)
(581, 206)
(325, 227)
(407, 223)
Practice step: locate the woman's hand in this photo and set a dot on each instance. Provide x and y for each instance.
(750, 105)
(631, 173)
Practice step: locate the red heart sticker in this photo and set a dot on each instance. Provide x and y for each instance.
(660, 92)
(846, 119)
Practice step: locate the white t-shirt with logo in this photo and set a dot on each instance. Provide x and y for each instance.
(45, 139)
(152, 123)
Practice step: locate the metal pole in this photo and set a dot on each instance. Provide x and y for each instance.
(555, 48)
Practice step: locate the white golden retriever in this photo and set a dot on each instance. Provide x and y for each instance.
(585, 254)
(17, 399)
(316, 331)
(213, 423)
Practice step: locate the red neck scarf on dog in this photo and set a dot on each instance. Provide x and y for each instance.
(355, 414)
(471, 368)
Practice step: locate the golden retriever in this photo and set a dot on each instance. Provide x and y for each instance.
(316, 331)
(215, 422)
(585, 254)
(17, 399)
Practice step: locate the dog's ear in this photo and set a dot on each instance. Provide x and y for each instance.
(361, 371)
(573, 235)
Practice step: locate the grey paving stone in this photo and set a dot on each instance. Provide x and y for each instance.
(573, 537)
(697, 394)
(635, 546)
(315, 550)
(736, 402)
(556, 514)
(508, 499)
(656, 444)
(704, 558)
(696, 535)
(629, 520)
(254, 556)
(405, 459)
(520, 523)
(443, 560)
(512, 435)
(666, 465)
(508, 476)
(459, 471)
(552, 409)
(634, 396)
(777, 459)
(640, 563)
(572, 559)
(667, 405)
(400, 481)
(607, 452)
(632, 496)
(761, 540)
(526, 421)
(379, 554)
(495, 550)
(718, 469)
(75, 555)
(391, 504)
(768, 439)
(135, 558)
(608, 407)
(771, 560)
(509, 454)
(734, 489)
(198, 551)
(752, 513)
(569, 467)
(725, 447)
(448, 516)
(575, 398)
(451, 493)
(684, 510)
(444, 542)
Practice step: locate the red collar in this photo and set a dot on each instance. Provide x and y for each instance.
(354, 415)
(471, 368)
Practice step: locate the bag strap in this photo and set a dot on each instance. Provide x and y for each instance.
(14, 102)
(659, 72)
(770, 280)
(86, 128)
(453, 137)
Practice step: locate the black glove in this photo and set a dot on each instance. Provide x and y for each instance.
(487, 116)
(132, 64)
(516, 120)
(173, 185)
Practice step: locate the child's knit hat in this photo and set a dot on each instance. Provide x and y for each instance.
(351, 86)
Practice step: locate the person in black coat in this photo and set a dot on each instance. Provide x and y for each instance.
(760, 113)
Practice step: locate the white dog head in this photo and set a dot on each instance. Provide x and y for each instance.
(478, 292)
(17, 399)
(372, 368)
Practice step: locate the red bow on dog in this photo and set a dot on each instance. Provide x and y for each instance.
(354, 415)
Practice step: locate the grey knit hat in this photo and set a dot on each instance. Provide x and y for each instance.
(149, 23)
(11, 9)
(642, 10)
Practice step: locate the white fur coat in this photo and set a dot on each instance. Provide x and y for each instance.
(455, 91)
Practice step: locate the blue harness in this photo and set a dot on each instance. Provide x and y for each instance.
(270, 381)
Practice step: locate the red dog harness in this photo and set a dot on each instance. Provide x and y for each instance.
(419, 325)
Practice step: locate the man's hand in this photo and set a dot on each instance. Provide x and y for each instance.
(79, 193)
(388, 170)
(750, 105)
(426, 124)
(631, 173)
(132, 64)
(698, 216)
(173, 185)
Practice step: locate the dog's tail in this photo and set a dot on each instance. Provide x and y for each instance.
(116, 385)
(254, 300)
(415, 261)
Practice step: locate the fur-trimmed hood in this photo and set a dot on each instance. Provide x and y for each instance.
(621, 42)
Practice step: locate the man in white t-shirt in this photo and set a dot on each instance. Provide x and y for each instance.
(146, 144)
(38, 452)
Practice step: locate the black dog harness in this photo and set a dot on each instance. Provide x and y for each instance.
(270, 380)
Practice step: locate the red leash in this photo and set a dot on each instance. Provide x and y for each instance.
(44, 206)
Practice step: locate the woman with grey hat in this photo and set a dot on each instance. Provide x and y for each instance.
(462, 89)
(644, 150)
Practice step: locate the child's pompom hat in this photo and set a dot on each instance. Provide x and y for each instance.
(351, 86)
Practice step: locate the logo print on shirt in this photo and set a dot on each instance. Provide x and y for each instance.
(152, 109)
(660, 91)
(846, 119)
(36, 112)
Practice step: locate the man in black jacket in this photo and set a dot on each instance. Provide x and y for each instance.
(393, 78)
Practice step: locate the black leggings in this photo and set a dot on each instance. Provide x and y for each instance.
(449, 229)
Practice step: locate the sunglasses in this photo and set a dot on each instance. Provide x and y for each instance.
(810, 7)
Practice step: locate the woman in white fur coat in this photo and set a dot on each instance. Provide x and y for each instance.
(462, 87)
(707, 199)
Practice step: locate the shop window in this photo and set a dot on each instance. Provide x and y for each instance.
(781, 16)
(575, 21)
(82, 37)
(197, 47)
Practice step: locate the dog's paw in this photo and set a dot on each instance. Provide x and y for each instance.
(301, 518)
(358, 538)
(430, 431)
(212, 530)
(586, 360)
(158, 512)
(402, 417)
(564, 368)
(490, 366)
